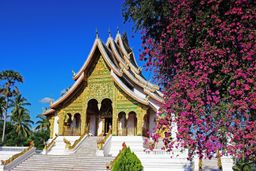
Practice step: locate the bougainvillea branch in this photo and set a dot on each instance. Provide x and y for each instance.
(205, 61)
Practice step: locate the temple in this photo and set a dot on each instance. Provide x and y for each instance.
(109, 92)
(109, 107)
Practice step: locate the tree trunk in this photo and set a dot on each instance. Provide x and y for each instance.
(5, 117)
(3, 135)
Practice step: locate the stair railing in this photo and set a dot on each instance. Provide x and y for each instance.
(101, 142)
(49, 146)
(16, 159)
(76, 144)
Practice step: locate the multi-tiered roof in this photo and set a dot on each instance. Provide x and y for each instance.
(125, 72)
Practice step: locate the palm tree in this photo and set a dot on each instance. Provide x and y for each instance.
(20, 116)
(8, 90)
(43, 123)
(19, 103)
(21, 122)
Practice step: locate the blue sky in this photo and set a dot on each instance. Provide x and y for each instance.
(45, 40)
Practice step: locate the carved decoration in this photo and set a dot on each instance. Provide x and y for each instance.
(99, 85)
(100, 91)
(99, 68)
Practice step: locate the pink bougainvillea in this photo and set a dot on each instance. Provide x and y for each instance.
(205, 62)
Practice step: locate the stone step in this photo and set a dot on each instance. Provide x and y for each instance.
(84, 159)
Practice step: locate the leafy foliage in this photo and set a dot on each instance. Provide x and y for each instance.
(20, 117)
(13, 139)
(8, 90)
(18, 128)
(127, 161)
(43, 123)
(244, 166)
(150, 14)
(205, 60)
(40, 138)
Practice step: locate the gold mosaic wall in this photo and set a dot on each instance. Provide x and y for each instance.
(99, 86)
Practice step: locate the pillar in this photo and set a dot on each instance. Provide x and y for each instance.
(140, 120)
(114, 119)
(56, 125)
(52, 126)
(61, 122)
(114, 125)
(84, 126)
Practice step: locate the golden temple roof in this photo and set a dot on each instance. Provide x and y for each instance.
(121, 61)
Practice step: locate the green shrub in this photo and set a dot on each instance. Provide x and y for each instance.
(127, 161)
(39, 138)
(242, 165)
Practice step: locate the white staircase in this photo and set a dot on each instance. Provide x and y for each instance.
(84, 159)
(151, 160)
(59, 147)
(134, 142)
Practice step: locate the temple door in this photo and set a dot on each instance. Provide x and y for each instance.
(122, 125)
(131, 125)
(92, 125)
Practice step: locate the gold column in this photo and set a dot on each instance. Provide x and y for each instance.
(114, 119)
(83, 119)
(114, 125)
(140, 120)
(51, 126)
(61, 122)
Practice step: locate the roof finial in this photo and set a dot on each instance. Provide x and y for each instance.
(118, 32)
(109, 32)
(73, 73)
(97, 33)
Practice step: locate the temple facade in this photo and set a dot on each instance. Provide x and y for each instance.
(109, 92)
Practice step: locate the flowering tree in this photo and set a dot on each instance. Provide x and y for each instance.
(204, 57)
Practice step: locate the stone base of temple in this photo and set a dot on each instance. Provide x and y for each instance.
(88, 157)
(151, 160)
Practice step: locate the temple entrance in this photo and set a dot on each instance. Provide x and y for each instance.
(132, 124)
(108, 125)
(99, 117)
(72, 125)
(76, 125)
(92, 117)
(122, 131)
(106, 112)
